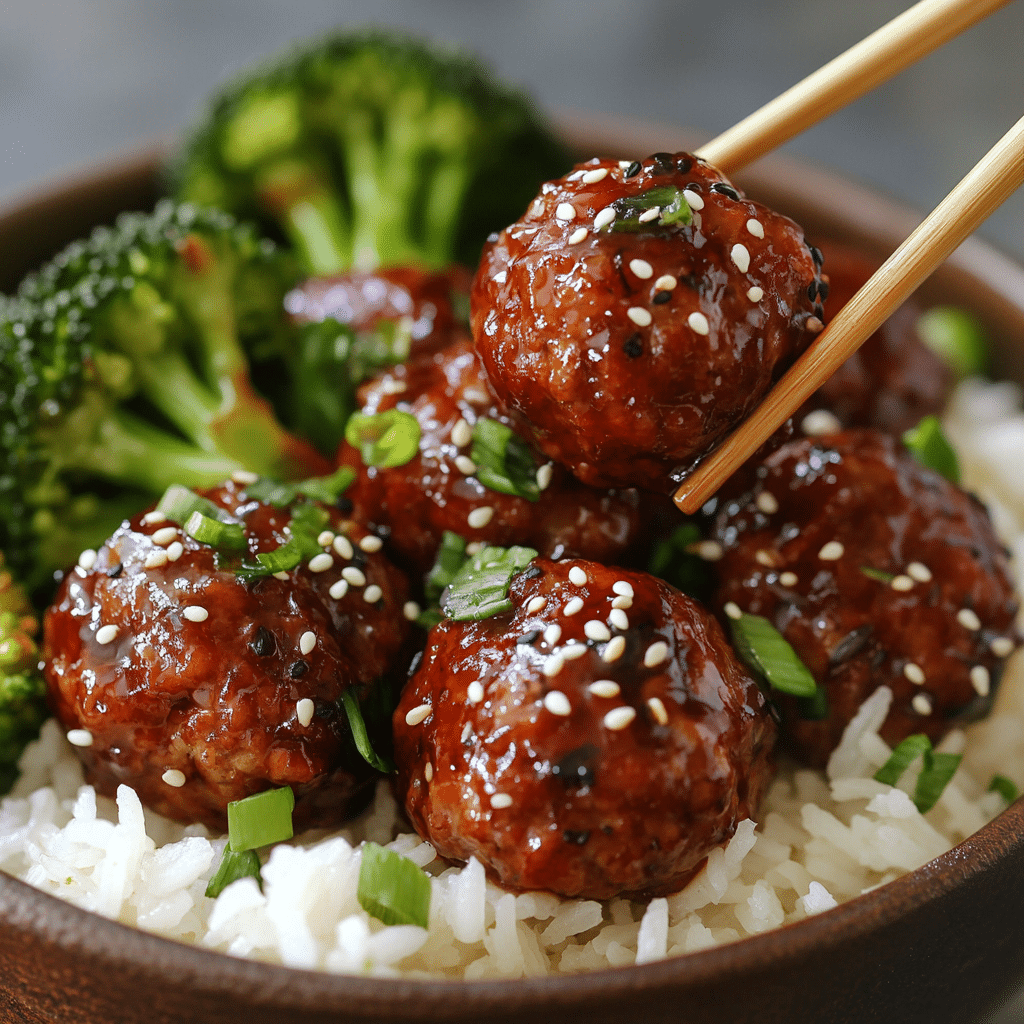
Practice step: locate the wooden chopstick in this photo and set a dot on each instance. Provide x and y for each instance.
(875, 59)
(989, 183)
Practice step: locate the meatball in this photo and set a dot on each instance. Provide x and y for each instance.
(599, 739)
(628, 341)
(439, 490)
(877, 571)
(196, 688)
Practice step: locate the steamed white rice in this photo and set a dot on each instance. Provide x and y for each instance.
(822, 838)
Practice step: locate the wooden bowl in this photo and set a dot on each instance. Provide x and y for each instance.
(940, 944)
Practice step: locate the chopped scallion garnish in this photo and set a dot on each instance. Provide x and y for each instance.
(900, 759)
(928, 444)
(936, 769)
(233, 866)
(260, 819)
(766, 651)
(1005, 787)
(178, 503)
(384, 440)
(480, 588)
(877, 574)
(320, 488)
(304, 527)
(392, 888)
(450, 556)
(215, 533)
(359, 734)
(667, 199)
(957, 337)
(503, 460)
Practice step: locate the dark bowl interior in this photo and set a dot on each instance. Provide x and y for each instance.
(939, 944)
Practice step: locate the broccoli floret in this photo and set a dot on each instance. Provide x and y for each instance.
(22, 690)
(123, 370)
(371, 149)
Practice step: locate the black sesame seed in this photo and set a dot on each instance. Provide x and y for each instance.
(851, 645)
(660, 298)
(633, 169)
(528, 638)
(574, 837)
(415, 663)
(812, 290)
(115, 570)
(297, 669)
(684, 163)
(576, 768)
(344, 505)
(263, 644)
(359, 558)
(633, 346)
(816, 255)
(819, 311)
(725, 190)
(823, 290)
(532, 573)
(662, 163)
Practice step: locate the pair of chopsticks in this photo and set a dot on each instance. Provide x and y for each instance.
(880, 56)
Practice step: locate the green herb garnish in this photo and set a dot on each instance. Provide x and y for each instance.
(936, 769)
(233, 866)
(1005, 787)
(360, 736)
(480, 588)
(260, 819)
(450, 556)
(766, 651)
(178, 503)
(957, 337)
(667, 199)
(877, 574)
(306, 524)
(503, 460)
(384, 440)
(392, 888)
(320, 488)
(928, 444)
(900, 759)
(215, 533)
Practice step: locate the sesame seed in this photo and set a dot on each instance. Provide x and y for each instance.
(573, 606)
(732, 609)
(343, 547)
(480, 517)
(902, 583)
(648, 215)
(282, 575)
(741, 257)
(755, 227)
(968, 619)
(321, 562)
(640, 316)
(326, 538)
(565, 211)
(831, 552)
(304, 711)
(642, 269)
(165, 535)
(467, 731)
(411, 610)
(922, 704)
(465, 465)
(544, 475)
(175, 551)
(656, 654)
(500, 801)
(462, 433)
(604, 688)
(156, 516)
(87, 559)
(1002, 646)
(698, 323)
(573, 650)
(196, 613)
(693, 199)
(625, 164)
(619, 718)
(553, 665)
(80, 737)
(709, 550)
(474, 547)
(174, 778)
(552, 634)
(156, 559)
(614, 649)
(418, 714)
(578, 236)
(980, 680)
(658, 710)
(618, 618)
(623, 587)
(820, 422)
(789, 579)
(919, 572)
(767, 503)
(339, 589)
(428, 772)
(371, 544)
(535, 604)
(307, 641)
(537, 207)
(475, 692)
(596, 630)
(500, 277)
(914, 673)
(106, 634)
(578, 576)
(604, 218)
(665, 283)
(354, 576)
(372, 594)
(755, 294)
(244, 477)
(557, 703)
(594, 176)
(764, 557)
(622, 601)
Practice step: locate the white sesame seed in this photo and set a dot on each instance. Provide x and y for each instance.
(922, 704)
(640, 316)
(572, 606)
(326, 538)
(755, 294)
(535, 604)
(87, 559)
(619, 718)
(474, 547)
(614, 649)
(565, 211)
(462, 433)
(665, 283)
(156, 559)
(321, 562)
(428, 772)
(174, 778)
(371, 544)
(604, 688)
(578, 576)
(604, 218)
(789, 579)
(656, 654)
(709, 550)
(418, 714)
(175, 551)
(594, 176)
(1002, 646)
(307, 641)
(544, 475)
(304, 711)
(642, 269)
(980, 680)
(339, 589)
(500, 277)
(698, 323)
(372, 594)
(920, 572)
(196, 613)
(106, 634)
(623, 588)
(480, 517)
(820, 422)
(557, 703)
(465, 465)
(553, 665)
(741, 257)
(764, 557)
(648, 215)
(624, 164)
(537, 207)
(596, 630)
(968, 619)
(732, 609)
(500, 801)
(618, 618)
(165, 535)
(244, 477)
(552, 634)
(80, 737)
(343, 547)
(914, 673)
(831, 552)
(156, 516)
(467, 731)
(475, 692)
(767, 503)
(622, 601)
(657, 707)
(411, 610)
(573, 650)
(354, 575)
(578, 236)
(282, 575)
(902, 583)
(693, 199)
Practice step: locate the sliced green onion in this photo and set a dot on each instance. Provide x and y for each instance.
(385, 440)
(260, 819)
(938, 769)
(178, 503)
(928, 444)
(480, 588)
(1005, 787)
(675, 561)
(450, 556)
(503, 460)
(669, 200)
(765, 650)
(360, 737)
(281, 559)
(305, 526)
(327, 488)
(429, 617)
(215, 533)
(392, 888)
(272, 492)
(234, 865)
(957, 337)
(900, 759)
(877, 574)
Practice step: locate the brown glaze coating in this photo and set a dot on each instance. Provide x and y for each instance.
(528, 774)
(431, 494)
(217, 699)
(921, 634)
(596, 354)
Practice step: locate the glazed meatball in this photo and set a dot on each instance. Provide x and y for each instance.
(196, 688)
(877, 571)
(627, 340)
(599, 739)
(439, 490)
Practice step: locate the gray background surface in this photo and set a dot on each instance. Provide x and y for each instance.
(81, 79)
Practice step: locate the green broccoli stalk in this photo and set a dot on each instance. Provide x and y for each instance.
(22, 690)
(370, 150)
(123, 370)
